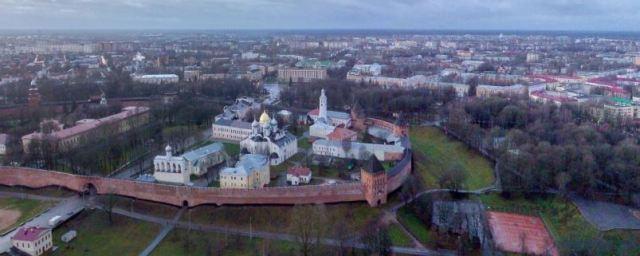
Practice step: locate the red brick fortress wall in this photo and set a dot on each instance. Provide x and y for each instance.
(179, 195)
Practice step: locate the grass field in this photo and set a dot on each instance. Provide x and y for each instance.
(232, 149)
(97, 237)
(414, 225)
(563, 220)
(434, 153)
(304, 143)
(26, 207)
(277, 218)
(399, 237)
(182, 242)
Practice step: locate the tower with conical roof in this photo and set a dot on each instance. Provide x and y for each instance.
(374, 182)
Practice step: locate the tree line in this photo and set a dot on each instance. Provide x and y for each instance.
(539, 147)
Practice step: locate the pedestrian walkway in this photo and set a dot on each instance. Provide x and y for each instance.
(167, 227)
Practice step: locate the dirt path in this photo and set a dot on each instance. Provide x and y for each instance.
(8, 217)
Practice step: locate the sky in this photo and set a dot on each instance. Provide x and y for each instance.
(583, 15)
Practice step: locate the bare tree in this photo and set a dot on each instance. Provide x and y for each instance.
(308, 224)
(110, 203)
(377, 241)
(453, 178)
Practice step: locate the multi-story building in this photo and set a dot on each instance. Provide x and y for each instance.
(32, 241)
(87, 130)
(191, 75)
(230, 130)
(485, 91)
(357, 150)
(157, 79)
(301, 75)
(532, 57)
(252, 171)
(620, 108)
(178, 169)
(240, 110)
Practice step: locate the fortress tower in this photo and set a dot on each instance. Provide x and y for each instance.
(374, 182)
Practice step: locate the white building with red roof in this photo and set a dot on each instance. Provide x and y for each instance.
(297, 175)
(32, 241)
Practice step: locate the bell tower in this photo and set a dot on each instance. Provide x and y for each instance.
(323, 106)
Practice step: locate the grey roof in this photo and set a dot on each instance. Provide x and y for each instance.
(248, 164)
(288, 138)
(338, 115)
(198, 153)
(234, 123)
(374, 165)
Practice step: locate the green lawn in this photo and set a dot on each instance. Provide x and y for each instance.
(277, 218)
(27, 207)
(182, 242)
(97, 237)
(232, 149)
(434, 153)
(399, 237)
(562, 218)
(304, 143)
(414, 225)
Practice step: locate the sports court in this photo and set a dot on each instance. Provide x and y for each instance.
(520, 234)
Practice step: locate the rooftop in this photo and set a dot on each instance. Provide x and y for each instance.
(299, 171)
(29, 233)
(203, 151)
(248, 164)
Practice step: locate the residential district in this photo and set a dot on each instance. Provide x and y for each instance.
(316, 143)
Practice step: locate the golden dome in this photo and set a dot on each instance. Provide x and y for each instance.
(264, 118)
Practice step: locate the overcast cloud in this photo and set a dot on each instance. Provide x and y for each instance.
(328, 14)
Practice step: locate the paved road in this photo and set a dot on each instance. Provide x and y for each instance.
(163, 233)
(66, 208)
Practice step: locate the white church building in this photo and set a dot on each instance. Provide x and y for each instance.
(269, 140)
(168, 168)
(324, 121)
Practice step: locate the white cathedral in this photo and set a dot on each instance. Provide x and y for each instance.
(267, 139)
(324, 121)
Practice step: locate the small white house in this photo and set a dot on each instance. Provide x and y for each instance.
(32, 241)
(298, 175)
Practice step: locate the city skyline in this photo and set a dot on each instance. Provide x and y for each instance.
(568, 15)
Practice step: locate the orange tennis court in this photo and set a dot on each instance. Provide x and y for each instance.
(521, 234)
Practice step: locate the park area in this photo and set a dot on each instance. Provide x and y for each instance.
(14, 211)
(434, 153)
(184, 242)
(96, 236)
(278, 218)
